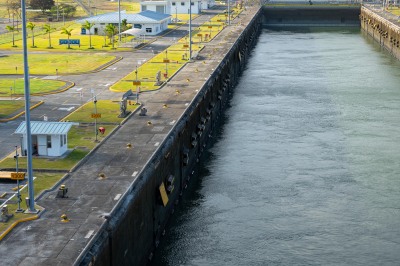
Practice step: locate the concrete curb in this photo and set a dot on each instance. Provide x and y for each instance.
(4, 234)
(23, 112)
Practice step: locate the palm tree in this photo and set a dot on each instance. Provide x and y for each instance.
(47, 28)
(31, 27)
(68, 32)
(111, 30)
(12, 29)
(88, 26)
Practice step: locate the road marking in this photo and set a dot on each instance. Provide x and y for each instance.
(186, 104)
(71, 104)
(78, 89)
(172, 122)
(66, 109)
(108, 84)
(156, 144)
(89, 234)
(117, 196)
(134, 173)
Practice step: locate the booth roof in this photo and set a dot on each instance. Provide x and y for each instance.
(45, 128)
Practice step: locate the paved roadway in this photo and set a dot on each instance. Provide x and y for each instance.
(47, 241)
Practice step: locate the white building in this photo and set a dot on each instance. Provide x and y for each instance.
(152, 23)
(163, 7)
(48, 138)
(173, 7)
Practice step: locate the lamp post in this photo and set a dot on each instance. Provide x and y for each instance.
(166, 63)
(95, 115)
(229, 12)
(119, 20)
(31, 208)
(16, 170)
(190, 30)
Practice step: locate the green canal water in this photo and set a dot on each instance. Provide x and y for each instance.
(306, 168)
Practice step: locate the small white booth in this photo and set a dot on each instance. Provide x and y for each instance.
(48, 138)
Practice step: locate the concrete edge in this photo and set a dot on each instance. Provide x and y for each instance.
(8, 230)
(21, 113)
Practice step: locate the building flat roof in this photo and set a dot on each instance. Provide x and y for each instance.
(142, 17)
(45, 128)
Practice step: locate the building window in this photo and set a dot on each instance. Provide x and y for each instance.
(182, 3)
(149, 29)
(61, 141)
(137, 26)
(65, 139)
(192, 3)
(173, 3)
(48, 141)
(144, 8)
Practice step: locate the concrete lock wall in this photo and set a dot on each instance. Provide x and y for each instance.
(134, 228)
(311, 16)
(386, 33)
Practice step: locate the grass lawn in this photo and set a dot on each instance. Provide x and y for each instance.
(8, 107)
(46, 64)
(35, 86)
(44, 163)
(42, 182)
(108, 109)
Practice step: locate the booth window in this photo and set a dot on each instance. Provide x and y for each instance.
(148, 29)
(173, 3)
(48, 141)
(182, 3)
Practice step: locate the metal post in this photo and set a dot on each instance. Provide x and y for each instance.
(190, 30)
(229, 12)
(119, 20)
(176, 13)
(31, 208)
(137, 87)
(16, 170)
(95, 118)
(166, 63)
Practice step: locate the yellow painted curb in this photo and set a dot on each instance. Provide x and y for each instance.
(23, 112)
(16, 223)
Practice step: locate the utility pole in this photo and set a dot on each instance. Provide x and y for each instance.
(31, 208)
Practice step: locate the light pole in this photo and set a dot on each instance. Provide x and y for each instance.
(31, 208)
(95, 118)
(166, 63)
(229, 12)
(16, 170)
(119, 20)
(137, 85)
(190, 30)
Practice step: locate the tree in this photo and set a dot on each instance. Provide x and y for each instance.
(42, 4)
(124, 25)
(11, 29)
(47, 28)
(67, 32)
(12, 8)
(88, 26)
(31, 27)
(111, 30)
(64, 10)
